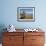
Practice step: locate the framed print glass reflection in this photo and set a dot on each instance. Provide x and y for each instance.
(26, 14)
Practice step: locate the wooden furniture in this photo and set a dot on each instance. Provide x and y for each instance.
(13, 39)
(34, 39)
(23, 39)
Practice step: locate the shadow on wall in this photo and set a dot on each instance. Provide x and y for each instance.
(2, 26)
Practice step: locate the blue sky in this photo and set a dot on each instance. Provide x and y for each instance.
(27, 11)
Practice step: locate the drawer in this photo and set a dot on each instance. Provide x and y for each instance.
(8, 44)
(37, 39)
(34, 33)
(34, 39)
(13, 33)
(37, 44)
(13, 42)
(12, 39)
(8, 39)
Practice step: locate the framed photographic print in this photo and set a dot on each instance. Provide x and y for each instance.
(26, 14)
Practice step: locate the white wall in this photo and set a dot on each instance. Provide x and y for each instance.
(9, 13)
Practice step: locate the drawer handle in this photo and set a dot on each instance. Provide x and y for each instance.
(33, 39)
(11, 38)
